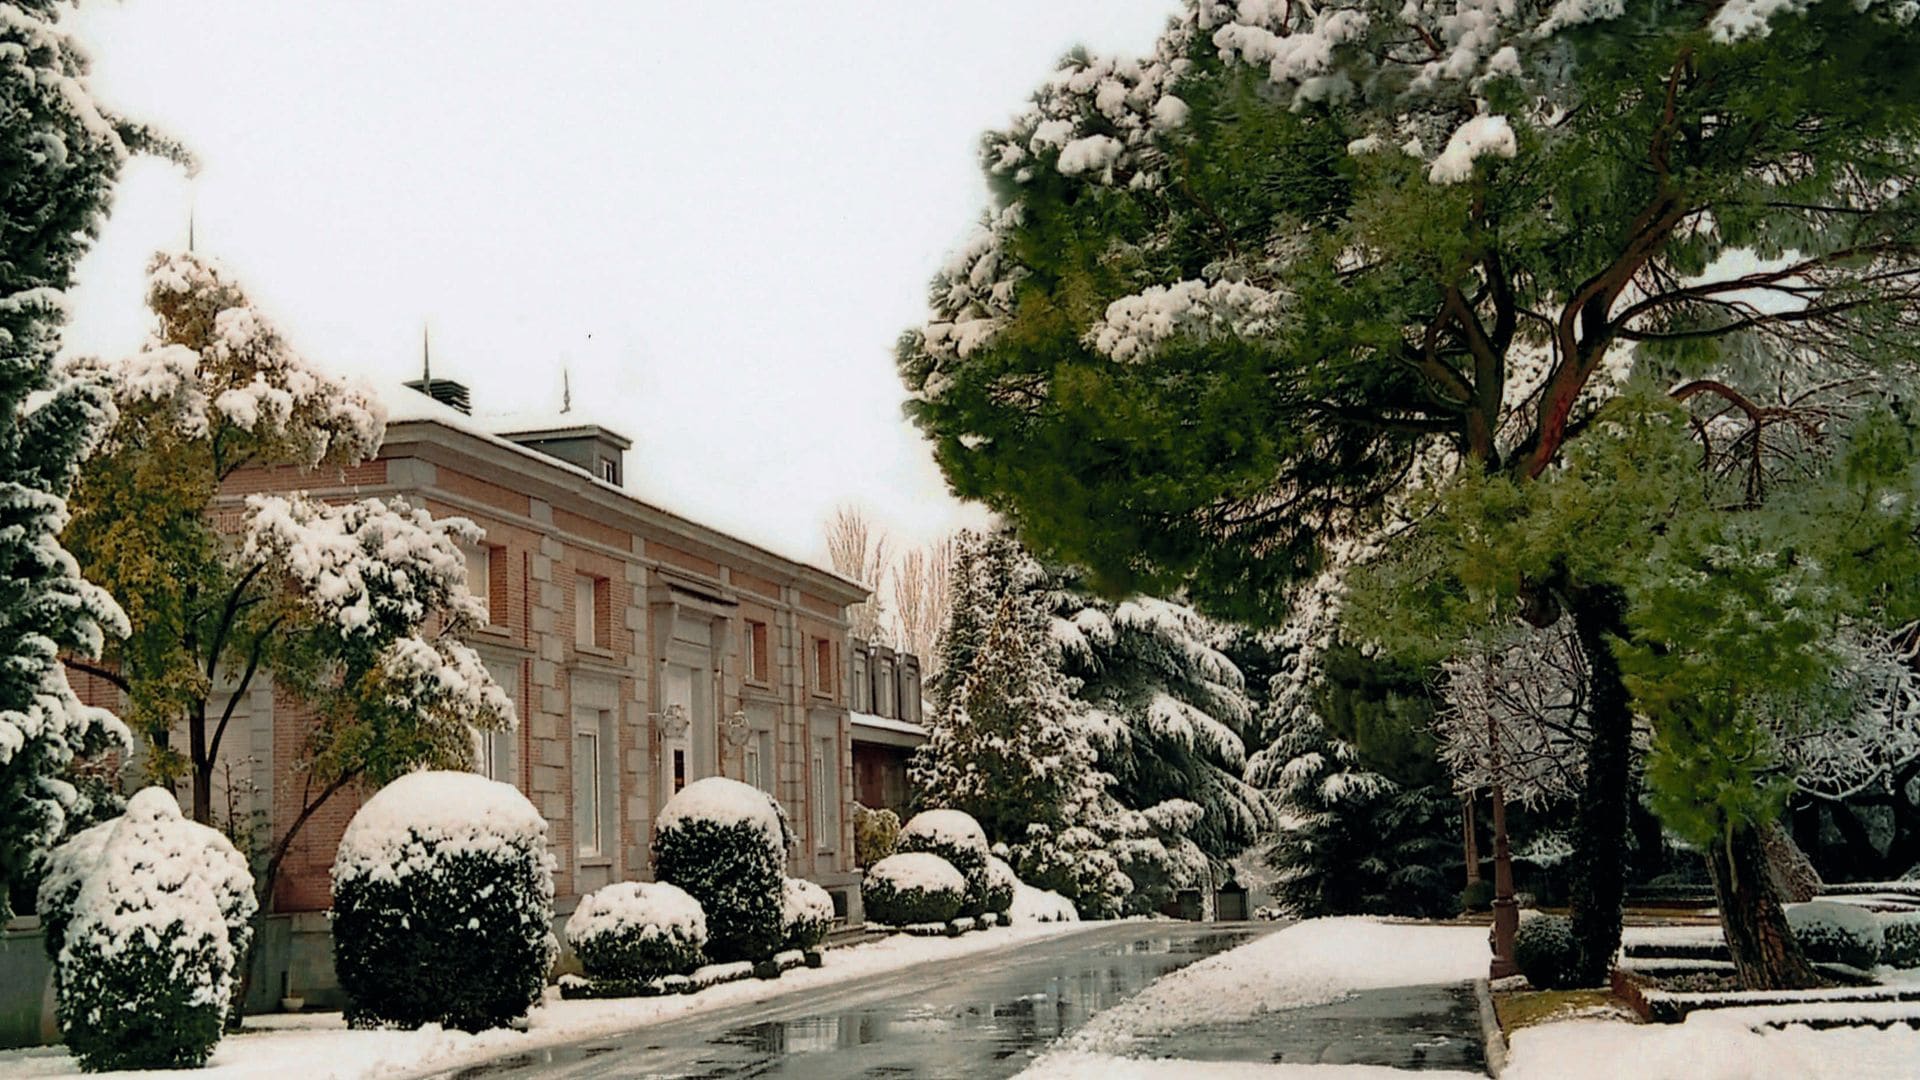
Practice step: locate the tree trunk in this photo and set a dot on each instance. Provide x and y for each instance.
(203, 794)
(1597, 885)
(1789, 871)
(1765, 954)
(1470, 842)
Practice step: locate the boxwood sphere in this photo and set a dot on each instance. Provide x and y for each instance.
(443, 905)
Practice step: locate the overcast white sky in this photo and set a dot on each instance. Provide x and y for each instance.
(719, 216)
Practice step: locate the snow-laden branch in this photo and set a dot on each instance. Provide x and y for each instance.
(1516, 714)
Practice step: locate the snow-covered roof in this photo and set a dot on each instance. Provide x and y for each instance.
(883, 723)
(407, 405)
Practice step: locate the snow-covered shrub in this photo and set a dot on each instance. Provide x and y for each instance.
(1000, 885)
(956, 837)
(66, 871)
(1031, 905)
(1834, 933)
(636, 930)
(443, 904)
(875, 834)
(911, 888)
(1900, 940)
(725, 843)
(146, 963)
(1546, 951)
(806, 913)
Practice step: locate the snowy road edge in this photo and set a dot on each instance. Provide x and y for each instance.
(1490, 1029)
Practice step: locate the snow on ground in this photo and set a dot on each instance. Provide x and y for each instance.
(1079, 1066)
(318, 1046)
(1310, 963)
(1706, 1047)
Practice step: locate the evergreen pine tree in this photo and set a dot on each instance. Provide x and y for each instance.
(59, 156)
(1001, 746)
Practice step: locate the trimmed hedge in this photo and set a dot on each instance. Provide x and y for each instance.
(956, 837)
(1900, 936)
(725, 843)
(806, 913)
(1001, 883)
(1836, 933)
(633, 931)
(913, 888)
(1547, 952)
(443, 905)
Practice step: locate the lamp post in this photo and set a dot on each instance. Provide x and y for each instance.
(1506, 911)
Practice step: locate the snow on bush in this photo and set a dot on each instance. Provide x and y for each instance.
(1546, 951)
(725, 843)
(638, 930)
(806, 914)
(443, 904)
(146, 964)
(1001, 884)
(1031, 905)
(1835, 933)
(1900, 940)
(956, 837)
(912, 888)
(67, 868)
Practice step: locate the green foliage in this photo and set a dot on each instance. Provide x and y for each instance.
(630, 947)
(1900, 936)
(1547, 953)
(1835, 933)
(970, 859)
(60, 154)
(808, 917)
(736, 873)
(876, 833)
(143, 1005)
(894, 897)
(464, 942)
(1001, 883)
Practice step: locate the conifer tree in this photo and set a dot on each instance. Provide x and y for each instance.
(60, 153)
(1001, 745)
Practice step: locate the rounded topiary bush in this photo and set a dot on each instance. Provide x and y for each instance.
(443, 904)
(66, 871)
(806, 911)
(1546, 951)
(1834, 933)
(911, 888)
(1900, 940)
(145, 968)
(725, 843)
(956, 837)
(638, 930)
(1001, 882)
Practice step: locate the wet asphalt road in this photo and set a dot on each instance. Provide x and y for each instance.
(979, 1016)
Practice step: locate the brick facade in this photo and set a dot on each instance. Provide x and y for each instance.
(666, 645)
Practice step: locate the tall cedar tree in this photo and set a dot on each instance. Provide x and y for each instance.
(60, 153)
(1234, 295)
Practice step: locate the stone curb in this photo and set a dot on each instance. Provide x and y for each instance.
(1490, 1029)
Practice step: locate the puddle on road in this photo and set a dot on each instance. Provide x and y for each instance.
(969, 1025)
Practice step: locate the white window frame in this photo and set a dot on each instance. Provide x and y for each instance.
(586, 611)
(594, 752)
(498, 750)
(826, 822)
(479, 557)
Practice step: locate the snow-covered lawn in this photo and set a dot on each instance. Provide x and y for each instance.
(1311, 963)
(1709, 1047)
(318, 1046)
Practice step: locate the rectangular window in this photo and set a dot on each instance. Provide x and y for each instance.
(586, 610)
(759, 659)
(586, 793)
(750, 763)
(479, 558)
(824, 781)
(496, 759)
(595, 786)
(610, 471)
(823, 679)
